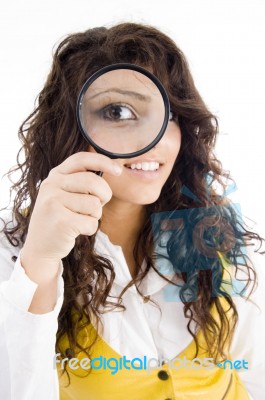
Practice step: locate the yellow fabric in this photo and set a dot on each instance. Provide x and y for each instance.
(202, 384)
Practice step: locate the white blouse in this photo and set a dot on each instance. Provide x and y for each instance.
(27, 341)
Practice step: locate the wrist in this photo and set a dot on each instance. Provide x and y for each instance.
(38, 268)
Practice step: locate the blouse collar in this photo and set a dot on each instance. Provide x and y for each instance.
(150, 284)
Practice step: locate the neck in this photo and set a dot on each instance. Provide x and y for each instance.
(122, 222)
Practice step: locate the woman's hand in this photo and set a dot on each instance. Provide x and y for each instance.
(69, 204)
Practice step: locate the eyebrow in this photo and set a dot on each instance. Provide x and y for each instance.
(136, 95)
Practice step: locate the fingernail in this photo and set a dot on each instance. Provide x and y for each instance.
(117, 169)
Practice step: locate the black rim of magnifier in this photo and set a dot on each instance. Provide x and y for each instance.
(113, 67)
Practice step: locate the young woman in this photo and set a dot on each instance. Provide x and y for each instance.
(80, 274)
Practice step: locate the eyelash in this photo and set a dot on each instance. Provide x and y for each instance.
(172, 115)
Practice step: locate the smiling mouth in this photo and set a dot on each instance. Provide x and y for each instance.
(144, 166)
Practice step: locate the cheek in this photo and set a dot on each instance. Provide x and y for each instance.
(172, 140)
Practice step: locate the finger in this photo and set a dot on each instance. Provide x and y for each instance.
(82, 224)
(83, 204)
(86, 183)
(87, 161)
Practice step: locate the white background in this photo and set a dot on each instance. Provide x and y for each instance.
(224, 42)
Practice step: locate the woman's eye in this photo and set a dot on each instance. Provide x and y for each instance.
(118, 112)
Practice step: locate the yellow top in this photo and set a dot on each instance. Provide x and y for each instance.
(166, 382)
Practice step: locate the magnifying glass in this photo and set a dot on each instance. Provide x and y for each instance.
(122, 110)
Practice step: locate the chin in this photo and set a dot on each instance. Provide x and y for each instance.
(144, 198)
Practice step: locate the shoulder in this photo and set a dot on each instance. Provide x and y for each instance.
(250, 268)
(248, 338)
(7, 250)
(251, 306)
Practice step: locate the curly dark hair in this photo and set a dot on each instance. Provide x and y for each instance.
(50, 135)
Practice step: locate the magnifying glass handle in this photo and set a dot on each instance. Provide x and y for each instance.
(99, 173)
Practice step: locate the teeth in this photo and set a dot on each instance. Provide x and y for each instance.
(145, 166)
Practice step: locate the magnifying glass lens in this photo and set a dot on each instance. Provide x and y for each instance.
(122, 111)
